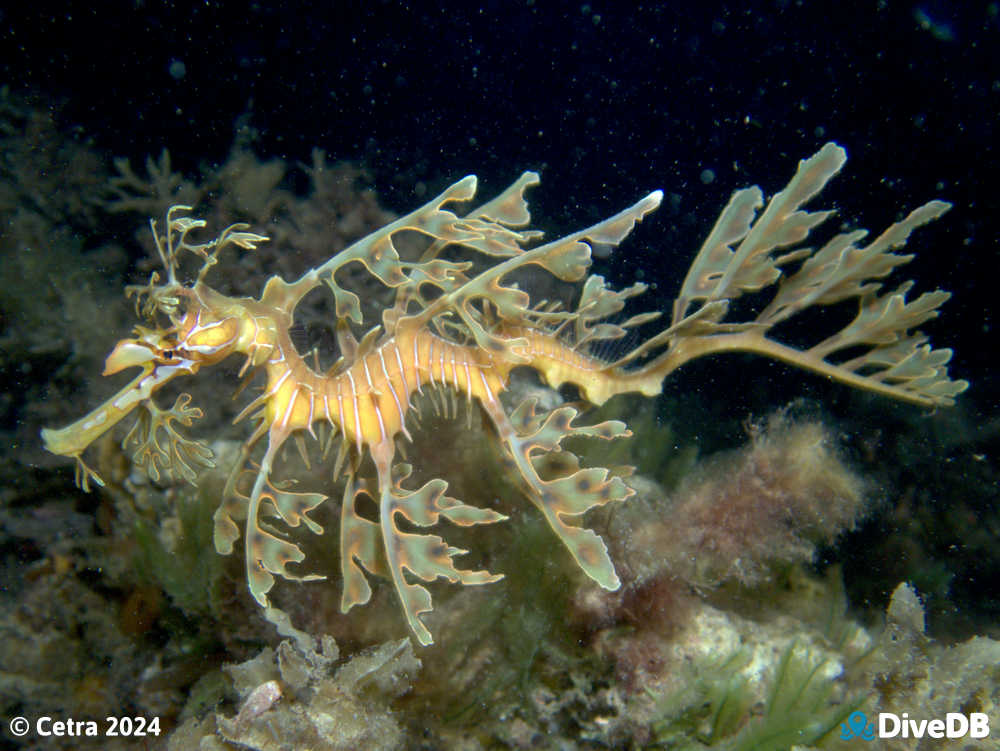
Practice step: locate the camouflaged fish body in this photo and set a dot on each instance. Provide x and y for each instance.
(463, 332)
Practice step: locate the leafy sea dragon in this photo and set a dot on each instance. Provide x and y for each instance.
(462, 331)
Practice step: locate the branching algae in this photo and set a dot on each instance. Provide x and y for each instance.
(453, 329)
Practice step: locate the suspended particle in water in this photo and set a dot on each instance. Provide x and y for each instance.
(177, 69)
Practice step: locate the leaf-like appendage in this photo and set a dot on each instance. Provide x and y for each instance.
(226, 532)
(359, 546)
(567, 258)
(883, 320)
(721, 271)
(426, 556)
(160, 448)
(378, 254)
(598, 302)
(82, 475)
(527, 433)
(545, 431)
(174, 240)
(384, 549)
(739, 257)
(294, 507)
(840, 270)
(267, 554)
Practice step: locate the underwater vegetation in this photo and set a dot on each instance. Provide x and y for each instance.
(796, 690)
(740, 518)
(774, 501)
(802, 707)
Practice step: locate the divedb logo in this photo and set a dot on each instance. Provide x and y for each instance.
(891, 725)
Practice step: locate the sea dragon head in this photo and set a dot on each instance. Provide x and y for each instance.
(200, 330)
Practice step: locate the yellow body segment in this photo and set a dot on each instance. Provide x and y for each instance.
(369, 400)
